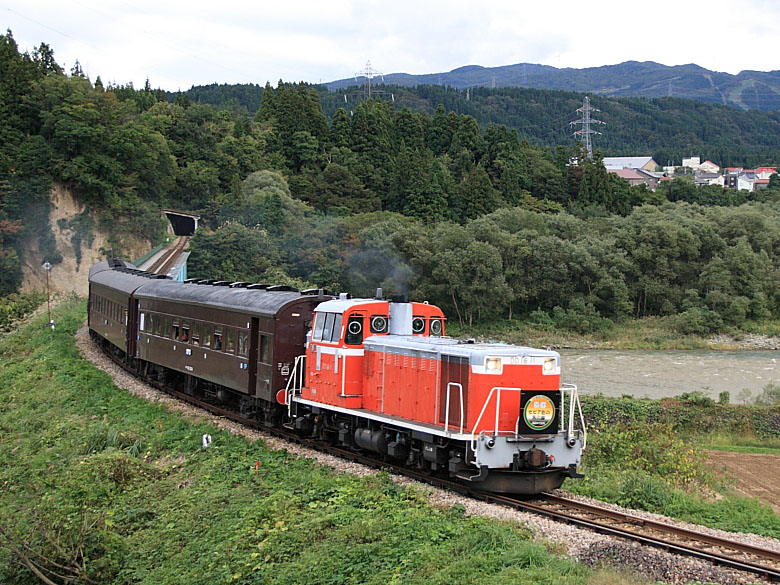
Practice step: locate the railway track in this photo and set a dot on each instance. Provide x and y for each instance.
(166, 260)
(720, 551)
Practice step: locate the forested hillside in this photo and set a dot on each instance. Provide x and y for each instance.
(667, 129)
(480, 220)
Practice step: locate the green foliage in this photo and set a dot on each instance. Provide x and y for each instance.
(16, 306)
(770, 395)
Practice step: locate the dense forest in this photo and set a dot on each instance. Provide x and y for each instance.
(480, 220)
(667, 129)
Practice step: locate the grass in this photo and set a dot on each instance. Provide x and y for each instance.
(99, 486)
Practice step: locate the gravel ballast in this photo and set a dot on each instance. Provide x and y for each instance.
(587, 547)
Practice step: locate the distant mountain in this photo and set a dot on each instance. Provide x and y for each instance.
(746, 90)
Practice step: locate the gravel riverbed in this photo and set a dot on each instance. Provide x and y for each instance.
(585, 546)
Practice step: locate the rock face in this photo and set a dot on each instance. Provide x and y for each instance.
(69, 275)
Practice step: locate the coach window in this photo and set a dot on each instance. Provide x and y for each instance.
(195, 333)
(265, 349)
(125, 317)
(207, 335)
(158, 324)
(230, 340)
(319, 324)
(243, 343)
(176, 330)
(142, 322)
(217, 340)
(185, 331)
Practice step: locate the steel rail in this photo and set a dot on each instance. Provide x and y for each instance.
(568, 517)
(166, 259)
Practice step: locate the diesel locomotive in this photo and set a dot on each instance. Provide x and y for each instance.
(376, 375)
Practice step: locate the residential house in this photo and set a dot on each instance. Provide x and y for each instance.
(709, 167)
(638, 177)
(702, 179)
(645, 163)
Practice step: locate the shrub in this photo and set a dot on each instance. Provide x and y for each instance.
(770, 396)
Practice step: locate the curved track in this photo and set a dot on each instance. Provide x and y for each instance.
(721, 551)
(166, 260)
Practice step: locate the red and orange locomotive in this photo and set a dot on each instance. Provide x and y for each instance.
(382, 376)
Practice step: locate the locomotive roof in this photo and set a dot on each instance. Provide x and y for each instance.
(254, 302)
(450, 346)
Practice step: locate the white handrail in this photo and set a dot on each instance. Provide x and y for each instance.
(447, 407)
(574, 404)
(574, 399)
(295, 381)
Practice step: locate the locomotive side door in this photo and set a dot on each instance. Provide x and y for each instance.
(453, 391)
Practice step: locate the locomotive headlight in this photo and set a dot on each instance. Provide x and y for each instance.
(493, 365)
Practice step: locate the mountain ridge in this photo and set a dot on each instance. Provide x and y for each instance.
(748, 89)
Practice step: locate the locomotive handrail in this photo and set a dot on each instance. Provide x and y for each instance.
(447, 407)
(574, 399)
(484, 408)
(574, 404)
(295, 381)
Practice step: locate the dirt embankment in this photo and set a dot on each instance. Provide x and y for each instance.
(68, 275)
(754, 474)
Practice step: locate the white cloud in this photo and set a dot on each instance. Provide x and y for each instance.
(178, 44)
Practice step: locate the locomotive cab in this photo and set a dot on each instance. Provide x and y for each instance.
(336, 345)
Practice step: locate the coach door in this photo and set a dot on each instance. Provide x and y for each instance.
(453, 391)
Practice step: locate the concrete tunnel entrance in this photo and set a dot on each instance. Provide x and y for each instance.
(183, 224)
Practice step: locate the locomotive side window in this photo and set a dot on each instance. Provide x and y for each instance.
(418, 324)
(207, 335)
(354, 335)
(195, 333)
(436, 326)
(378, 323)
(327, 330)
(230, 340)
(336, 333)
(319, 324)
(265, 349)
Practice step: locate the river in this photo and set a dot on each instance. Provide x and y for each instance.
(659, 374)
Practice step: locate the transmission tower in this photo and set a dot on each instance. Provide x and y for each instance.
(368, 73)
(586, 132)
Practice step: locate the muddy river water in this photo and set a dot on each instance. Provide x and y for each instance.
(658, 374)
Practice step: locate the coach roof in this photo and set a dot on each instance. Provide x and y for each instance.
(240, 300)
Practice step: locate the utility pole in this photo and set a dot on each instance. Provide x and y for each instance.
(47, 267)
(585, 132)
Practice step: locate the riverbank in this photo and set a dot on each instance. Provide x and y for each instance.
(652, 333)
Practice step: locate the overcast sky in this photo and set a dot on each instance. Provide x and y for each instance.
(178, 44)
